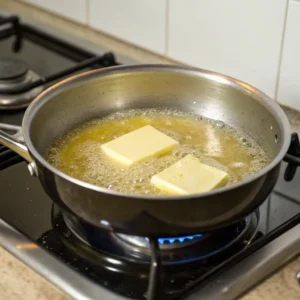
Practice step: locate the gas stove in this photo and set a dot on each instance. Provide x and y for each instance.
(90, 263)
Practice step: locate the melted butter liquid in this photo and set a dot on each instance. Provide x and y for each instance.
(78, 154)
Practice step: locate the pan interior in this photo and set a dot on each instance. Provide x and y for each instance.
(78, 151)
(202, 93)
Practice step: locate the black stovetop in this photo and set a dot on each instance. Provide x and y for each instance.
(25, 206)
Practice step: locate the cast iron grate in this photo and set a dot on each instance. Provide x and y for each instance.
(11, 26)
(8, 158)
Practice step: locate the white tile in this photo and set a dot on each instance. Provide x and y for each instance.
(289, 82)
(141, 22)
(239, 38)
(75, 10)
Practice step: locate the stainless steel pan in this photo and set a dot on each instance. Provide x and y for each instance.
(98, 93)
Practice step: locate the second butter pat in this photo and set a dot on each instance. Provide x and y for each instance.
(189, 176)
(138, 145)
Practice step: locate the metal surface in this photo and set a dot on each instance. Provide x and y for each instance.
(229, 285)
(23, 52)
(252, 270)
(155, 278)
(138, 244)
(12, 69)
(8, 157)
(211, 245)
(212, 95)
(95, 61)
(19, 85)
(15, 131)
(13, 142)
(143, 242)
(19, 190)
(70, 282)
(20, 100)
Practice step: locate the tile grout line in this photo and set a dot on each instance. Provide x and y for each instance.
(281, 50)
(166, 50)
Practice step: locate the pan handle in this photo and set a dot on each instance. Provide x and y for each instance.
(292, 158)
(13, 143)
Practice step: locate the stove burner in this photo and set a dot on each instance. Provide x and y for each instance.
(164, 243)
(174, 250)
(106, 259)
(15, 74)
(12, 69)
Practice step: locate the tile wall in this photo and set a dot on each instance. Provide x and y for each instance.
(255, 41)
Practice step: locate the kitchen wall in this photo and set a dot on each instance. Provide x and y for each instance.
(253, 40)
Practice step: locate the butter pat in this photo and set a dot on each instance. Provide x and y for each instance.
(138, 145)
(189, 176)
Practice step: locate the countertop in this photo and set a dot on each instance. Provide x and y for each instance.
(20, 282)
(282, 285)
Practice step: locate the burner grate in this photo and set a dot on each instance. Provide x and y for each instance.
(101, 253)
(15, 30)
(183, 250)
(94, 62)
(8, 158)
(12, 26)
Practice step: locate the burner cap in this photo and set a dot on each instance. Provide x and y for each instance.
(92, 242)
(164, 243)
(12, 69)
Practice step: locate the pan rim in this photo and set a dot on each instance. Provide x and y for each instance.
(60, 86)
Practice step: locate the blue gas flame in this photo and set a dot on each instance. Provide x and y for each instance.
(180, 239)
